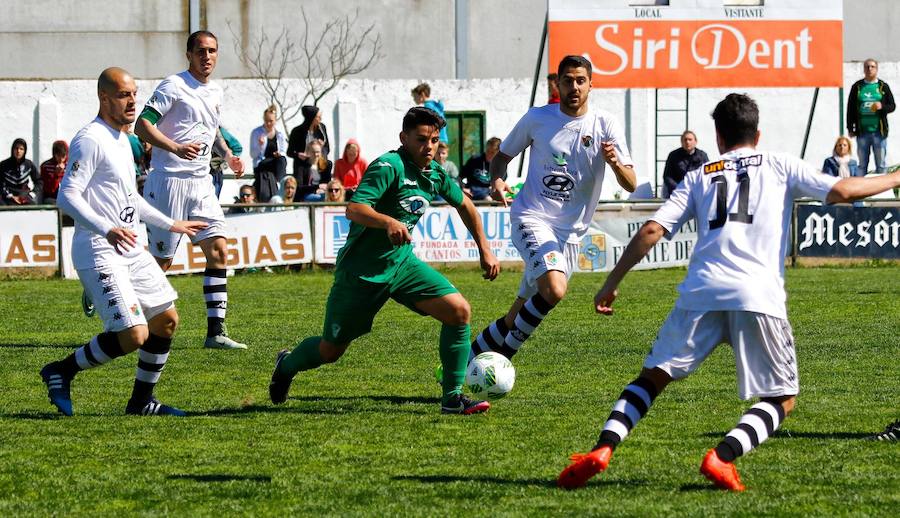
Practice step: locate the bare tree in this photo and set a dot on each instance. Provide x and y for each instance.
(320, 60)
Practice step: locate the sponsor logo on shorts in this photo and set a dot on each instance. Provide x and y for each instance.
(135, 310)
(75, 166)
(161, 246)
(552, 258)
(118, 316)
(102, 276)
(112, 302)
(587, 140)
(107, 289)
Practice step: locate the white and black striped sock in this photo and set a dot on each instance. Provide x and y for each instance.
(102, 348)
(527, 319)
(755, 426)
(152, 359)
(491, 339)
(632, 405)
(215, 292)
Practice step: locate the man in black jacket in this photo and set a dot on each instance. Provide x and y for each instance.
(14, 174)
(868, 104)
(310, 129)
(680, 161)
(476, 174)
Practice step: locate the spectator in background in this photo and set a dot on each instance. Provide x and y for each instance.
(442, 153)
(15, 173)
(421, 95)
(349, 169)
(218, 162)
(246, 196)
(335, 192)
(311, 129)
(52, 172)
(313, 173)
(553, 88)
(841, 163)
(287, 193)
(686, 158)
(267, 148)
(476, 173)
(868, 104)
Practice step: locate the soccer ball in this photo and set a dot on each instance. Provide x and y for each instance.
(490, 375)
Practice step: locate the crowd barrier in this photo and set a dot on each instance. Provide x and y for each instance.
(35, 237)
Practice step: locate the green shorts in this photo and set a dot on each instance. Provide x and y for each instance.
(354, 302)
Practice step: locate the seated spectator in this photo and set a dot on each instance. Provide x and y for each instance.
(421, 95)
(15, 173)
(476, 173)
(335, 192)
(686, 158)
(442, 153)
(553, 88)
(217, 162)
(52, 171)
(286, 194)
(841, 163)
(246, 196)
(314, 172)
(267, 148)
(311, 129)
(349, 169)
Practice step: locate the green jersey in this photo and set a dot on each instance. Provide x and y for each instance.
(869, 121)
(394, 186)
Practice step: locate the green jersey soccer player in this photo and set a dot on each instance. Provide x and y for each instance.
(377, 263)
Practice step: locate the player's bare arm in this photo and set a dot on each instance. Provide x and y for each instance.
(472, 221)
(498, 166)
(148, 132)
(189, 228)
(649, 234)
(366, 216)
(624, 173)
(234, 162)
(856, 188)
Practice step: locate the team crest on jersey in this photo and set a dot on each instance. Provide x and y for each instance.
(414, 205)
(587, 141)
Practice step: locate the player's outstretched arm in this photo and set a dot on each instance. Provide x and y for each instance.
(367, 216)
(469, 215)
(649, 234)
(856, 188)
(189, 228)
(624, 173)
(499, 189)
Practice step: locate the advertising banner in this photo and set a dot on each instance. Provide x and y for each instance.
(842, 231)
(702, 43)
(607, 238)
(28, 239)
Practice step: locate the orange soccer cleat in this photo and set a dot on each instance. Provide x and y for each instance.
(583, 467)
(723, 474)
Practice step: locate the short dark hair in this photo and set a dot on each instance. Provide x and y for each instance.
(493, 142)
(421, 89)
(572, 61)
(737, 119)
(192, 39)
(419, 116)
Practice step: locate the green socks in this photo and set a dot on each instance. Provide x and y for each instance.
(304, 357)
(454, 350)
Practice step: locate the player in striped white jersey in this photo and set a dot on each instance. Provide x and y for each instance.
(181, 121)
(733, 291)
(132, 295)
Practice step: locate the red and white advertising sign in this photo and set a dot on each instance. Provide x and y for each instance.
(702, 43)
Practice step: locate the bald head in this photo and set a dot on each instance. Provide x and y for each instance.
(117, 93)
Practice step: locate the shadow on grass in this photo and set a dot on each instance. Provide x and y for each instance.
(220, 477)
(325, 406)
(788, 434)
(698, 487)
(549, 483)
(38, 346)
(34, 416)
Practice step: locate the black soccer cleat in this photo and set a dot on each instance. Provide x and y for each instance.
(152, 407)
(891, 433)
(464, 405)
(280, 384)
(59, 387)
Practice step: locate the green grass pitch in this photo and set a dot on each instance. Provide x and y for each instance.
(365, 436)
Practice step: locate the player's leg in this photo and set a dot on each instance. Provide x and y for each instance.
(767, 368)
(551, 288)
(421, 288)
(349, 312)
(126, 330)
(863, 149)
(684, 341)
(879, 149)
(215, 293)
(492, 337)
(157, 300)
(165, 194)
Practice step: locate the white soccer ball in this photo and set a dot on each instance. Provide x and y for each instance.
(490, 376)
